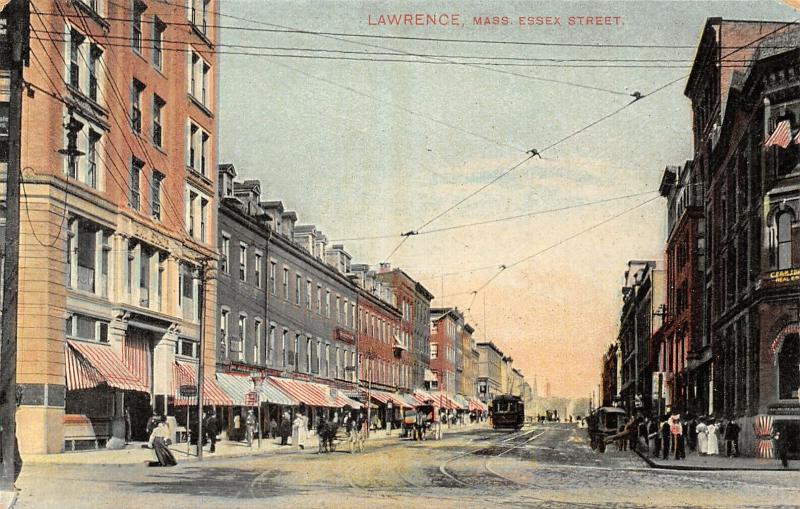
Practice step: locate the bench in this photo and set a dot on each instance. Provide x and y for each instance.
(78, 428)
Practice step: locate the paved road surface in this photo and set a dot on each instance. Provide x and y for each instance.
(542, 466)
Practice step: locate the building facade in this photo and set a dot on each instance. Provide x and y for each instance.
(643, 302)
(446, 327)
(284, 307)
(684, 354)
(745, 148)
(114, 236)
(490, 360)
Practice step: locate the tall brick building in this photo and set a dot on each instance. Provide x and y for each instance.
(111, 242)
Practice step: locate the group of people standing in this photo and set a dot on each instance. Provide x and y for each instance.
(673, 434)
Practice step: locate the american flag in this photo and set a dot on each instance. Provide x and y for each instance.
(781, 136)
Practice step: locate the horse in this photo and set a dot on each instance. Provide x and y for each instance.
(326, 431)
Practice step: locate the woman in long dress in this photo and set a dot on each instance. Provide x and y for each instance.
(713, 444)
(158, 442)
(702, 438)
(299, 431)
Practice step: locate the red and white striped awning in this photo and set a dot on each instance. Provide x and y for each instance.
(312, 394)
(385, 398)
(424, 398)
(443, 400)
(136, 356)
(475, 405)
(80, 373)
(342, 401)
(184, 374)
(105, 363)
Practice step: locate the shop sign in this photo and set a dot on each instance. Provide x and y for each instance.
(251, 398)
(188, 391)
(784, 276)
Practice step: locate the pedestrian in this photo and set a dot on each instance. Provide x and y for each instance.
(654, 435)
(285, 428)
(782, 446)
(299, 432)
(666, 435)
(128, 431)
(691, 433)
(152, 423)
(250, 426)
(633, 434)
(676, 430)
(273, 428)
(702, 437)
(237, 428)
(713, 441)
(159, 440)
(731, 439)
(211, 430)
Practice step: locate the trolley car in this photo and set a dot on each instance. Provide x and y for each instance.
(507, 412)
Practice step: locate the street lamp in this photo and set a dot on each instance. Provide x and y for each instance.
(258, 379)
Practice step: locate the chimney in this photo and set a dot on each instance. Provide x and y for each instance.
(274, 209)
(338, 258)
(384, 267)
(288, 219)
(304, 237)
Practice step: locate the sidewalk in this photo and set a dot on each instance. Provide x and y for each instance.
(134, 453)
(694, 461)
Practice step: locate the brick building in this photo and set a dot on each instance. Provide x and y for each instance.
(446, 327)
(285, 308)
(683, 355)
(751, 181)
(111, 240)
(608, 381)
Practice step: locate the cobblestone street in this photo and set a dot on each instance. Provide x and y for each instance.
(542, 466)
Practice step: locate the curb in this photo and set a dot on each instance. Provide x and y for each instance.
(656, 465)
(7, 499)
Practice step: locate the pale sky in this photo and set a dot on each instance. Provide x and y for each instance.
(379, 148)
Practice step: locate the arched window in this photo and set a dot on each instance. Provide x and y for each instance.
(783, 222)
(789, 367)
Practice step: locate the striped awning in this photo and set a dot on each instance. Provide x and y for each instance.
(237, 386)
(80, 373)
(136, 356)
(385, 398)
(184, 374)
(105, 363)
(476, 405)
(342, 401)
(423, 398)
(445, 401)
(312, 394)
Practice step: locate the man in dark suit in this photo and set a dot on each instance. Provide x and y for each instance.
(211, 429)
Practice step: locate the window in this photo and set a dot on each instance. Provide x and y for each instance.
(256, 341)
(155, 194)
(789, 367)
(87, 327)
(784, 224)
(319, 299)
(284, 345)
(203, 215)
(86, 247)
(137, 89)
(199, 79)
(328, 303)
(159, 27)
(186, 348)
(257, 268)
(338, 309)
(223, 332)
(158, 106)
(192, 205)
(242, 340)
(197, 149)
(298, 281)
(198, 14)
(75, 41)
(91, 159)
(271, 346)
(94, 62)
(309, 348)
(145, 255)
(243, 261)
(187, 292)
(225, 253)
(136, 36)
(434, 351)
(308, 294)
(285, 284)
(273, 267)
(133, 182)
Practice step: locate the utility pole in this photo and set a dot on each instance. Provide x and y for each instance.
(201, 294)
(16, 53)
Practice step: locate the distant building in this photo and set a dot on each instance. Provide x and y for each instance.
(445, 340)
(490, 360)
